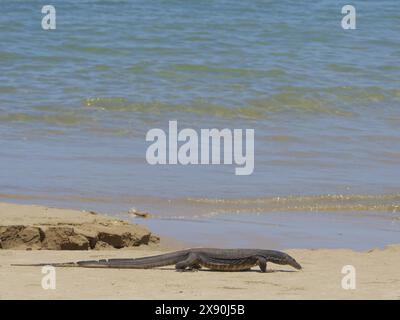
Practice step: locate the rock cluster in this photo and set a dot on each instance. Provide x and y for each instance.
(106, 234)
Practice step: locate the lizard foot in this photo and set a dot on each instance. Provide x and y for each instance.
(187, 270)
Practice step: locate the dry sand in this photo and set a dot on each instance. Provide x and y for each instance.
(377, 275)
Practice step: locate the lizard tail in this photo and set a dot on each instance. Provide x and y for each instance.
(138, 263)
(62, 264)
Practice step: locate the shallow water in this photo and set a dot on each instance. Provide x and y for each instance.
(76, 103)
(284, 230)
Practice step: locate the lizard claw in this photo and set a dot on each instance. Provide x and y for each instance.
(187, 270)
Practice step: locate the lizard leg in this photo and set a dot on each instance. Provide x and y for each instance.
(195, 267)
(191, 262)
(262, 263)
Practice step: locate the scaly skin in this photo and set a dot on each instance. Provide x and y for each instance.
(214, 259)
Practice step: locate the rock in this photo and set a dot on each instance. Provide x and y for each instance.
(154, 238)
(89, 233)
(20, 237)
(49, 233)
(76, 242)
(124, 236)
(64, 238)
(100, 245)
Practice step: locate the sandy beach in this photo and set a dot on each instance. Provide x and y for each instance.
(377, 272)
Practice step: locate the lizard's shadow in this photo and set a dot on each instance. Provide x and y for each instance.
(217, 271)
(256, 271)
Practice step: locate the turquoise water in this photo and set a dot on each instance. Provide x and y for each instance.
(76, 102)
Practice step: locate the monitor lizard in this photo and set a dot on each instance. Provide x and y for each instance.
(192, 259)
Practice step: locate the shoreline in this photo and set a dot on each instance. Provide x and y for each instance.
(279, 223)
(377, 275)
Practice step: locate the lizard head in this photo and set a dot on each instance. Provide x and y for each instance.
(284, 259)
(281, 258)
(292, 262)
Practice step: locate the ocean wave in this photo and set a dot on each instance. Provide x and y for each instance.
(198, 107)
(334, 101)
(163, 208)
(62, 118)
(237, 72)
(317, 203)
(9, 56)
(288, 101)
